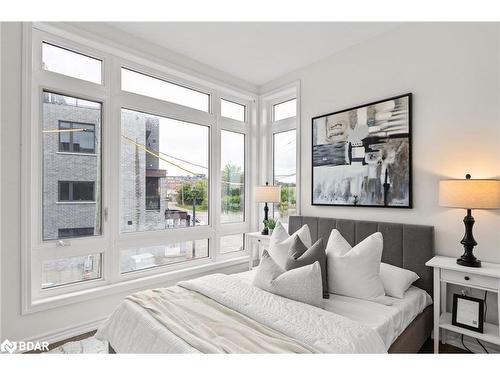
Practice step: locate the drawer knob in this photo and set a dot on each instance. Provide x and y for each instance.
(467, 278)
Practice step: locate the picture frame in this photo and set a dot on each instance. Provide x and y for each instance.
(468, 313)
(362, 156)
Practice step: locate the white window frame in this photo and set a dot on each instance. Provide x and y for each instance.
(111, 241)
(269, 127)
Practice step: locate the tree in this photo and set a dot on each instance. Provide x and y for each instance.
(232, 180)
(186, 191)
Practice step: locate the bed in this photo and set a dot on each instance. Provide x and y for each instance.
(344, 325)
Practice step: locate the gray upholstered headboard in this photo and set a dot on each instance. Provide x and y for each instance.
(405, 245)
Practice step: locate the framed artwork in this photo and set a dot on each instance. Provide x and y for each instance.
(361, 156)
(468, 313)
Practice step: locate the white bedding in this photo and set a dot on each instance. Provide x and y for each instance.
(133, 330)
(388, 321)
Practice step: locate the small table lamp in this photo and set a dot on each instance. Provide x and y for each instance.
(469, 194)
(267, 194)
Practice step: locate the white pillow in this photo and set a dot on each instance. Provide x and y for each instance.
(280, 242)
(396, 280)
(301, 284)
(355, 271)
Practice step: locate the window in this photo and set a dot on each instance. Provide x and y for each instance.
(143, 84)
(161, 255)
(177, 153)
(71, 270)
(232, 177)
(152, 193)
(232, 110)
(285, 164)
(70, 177)
(75, 232)
(73, 64)
(74, 191)
(109, 208)
(76, 137)
(232, 243)
(285, 110)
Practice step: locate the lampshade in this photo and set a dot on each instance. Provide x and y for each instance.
(268, 194)
(469, 193)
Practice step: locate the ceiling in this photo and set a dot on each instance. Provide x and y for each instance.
(256, 52)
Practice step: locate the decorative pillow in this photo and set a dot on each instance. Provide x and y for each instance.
(355, 271)
(280, 242)
(299, 255)
(301, 284)
(396, 280)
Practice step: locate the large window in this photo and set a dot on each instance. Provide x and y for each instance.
(285, 169)
(71, 177)
(232, 177)
(133, 171)
(177, 152)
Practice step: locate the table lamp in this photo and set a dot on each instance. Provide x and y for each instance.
(267, 194)
(469, 194)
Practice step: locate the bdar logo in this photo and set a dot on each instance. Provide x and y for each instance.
(8, 346)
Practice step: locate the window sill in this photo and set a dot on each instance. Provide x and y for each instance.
(76, 202)
(169, 278)
(75, 153)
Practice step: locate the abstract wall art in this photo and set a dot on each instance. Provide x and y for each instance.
(362, 156)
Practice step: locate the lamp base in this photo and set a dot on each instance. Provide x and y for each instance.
(466, 261)
(265, 231)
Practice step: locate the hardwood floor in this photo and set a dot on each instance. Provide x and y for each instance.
(62, 342)
(428, 348)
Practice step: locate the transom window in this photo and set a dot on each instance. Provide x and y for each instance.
(285, 110)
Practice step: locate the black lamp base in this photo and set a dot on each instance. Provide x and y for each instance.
(265, 231)
(468, 262)
(468, 259)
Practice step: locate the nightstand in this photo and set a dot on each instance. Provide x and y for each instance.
(447, 271)
(256, 243)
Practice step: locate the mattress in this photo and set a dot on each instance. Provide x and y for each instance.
(389, 321)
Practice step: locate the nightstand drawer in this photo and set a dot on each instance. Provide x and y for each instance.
(469, 279)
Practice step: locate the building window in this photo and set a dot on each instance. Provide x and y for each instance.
(285, 110)
(162, 255)
(177, 154)
(75, 191)
(72, 64)
(76, 137)
(232, 110)
(143, 84)
(285, 169)
(68, 177)
(152, 193)
(75, 232)
(232, 177)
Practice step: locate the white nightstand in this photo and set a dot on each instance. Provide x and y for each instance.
(446, 270)
(256, 243)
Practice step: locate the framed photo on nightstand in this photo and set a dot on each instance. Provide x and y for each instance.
(468, 312)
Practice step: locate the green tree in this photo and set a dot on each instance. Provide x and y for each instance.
(185, 194)
(232, 179)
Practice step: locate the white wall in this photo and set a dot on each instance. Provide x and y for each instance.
(453, 72)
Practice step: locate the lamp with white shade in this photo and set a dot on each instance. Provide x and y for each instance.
(267, 194)
(469, 194)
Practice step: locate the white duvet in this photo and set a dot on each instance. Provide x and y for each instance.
(326, 331)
